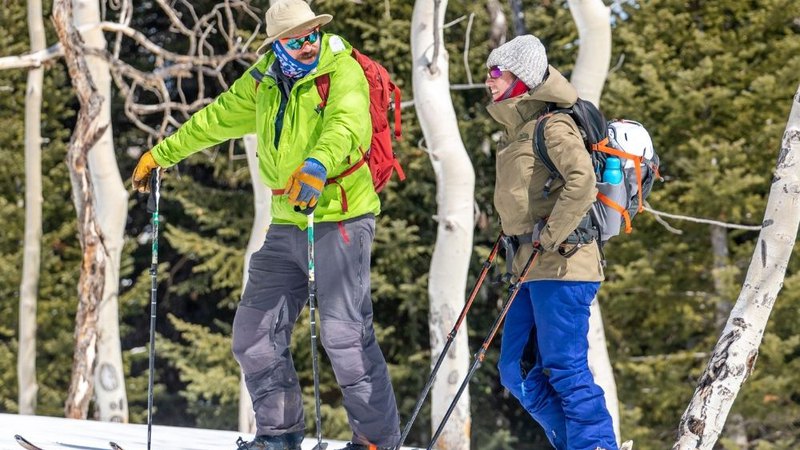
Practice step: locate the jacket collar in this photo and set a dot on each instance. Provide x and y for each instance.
(516, 111)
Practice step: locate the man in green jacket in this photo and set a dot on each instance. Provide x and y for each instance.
(305, 147)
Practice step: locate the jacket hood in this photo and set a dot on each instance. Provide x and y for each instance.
(518, 110)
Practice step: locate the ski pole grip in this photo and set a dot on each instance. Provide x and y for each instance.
(155, 184)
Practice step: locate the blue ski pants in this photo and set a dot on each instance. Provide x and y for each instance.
(543, 363)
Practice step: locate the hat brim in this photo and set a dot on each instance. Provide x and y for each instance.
(317, 21)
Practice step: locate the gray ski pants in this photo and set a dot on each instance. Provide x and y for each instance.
(274, 296)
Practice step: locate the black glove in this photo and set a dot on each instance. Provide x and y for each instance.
(537, 231)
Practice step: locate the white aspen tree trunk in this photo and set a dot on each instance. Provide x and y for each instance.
(498, 24)
(600, 364)
(593, 20)
(721, 274)
(32, 246)
(262, 200)
(111, 201)
(737, 349)
(455, 186)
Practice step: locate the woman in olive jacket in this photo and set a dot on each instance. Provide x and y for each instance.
(543, 360)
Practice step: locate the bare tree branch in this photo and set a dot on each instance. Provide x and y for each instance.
(701, 220)
(466, 48)
(31, 60)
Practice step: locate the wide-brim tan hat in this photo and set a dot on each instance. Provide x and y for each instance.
(288, 18)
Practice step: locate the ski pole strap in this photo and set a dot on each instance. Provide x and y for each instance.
(511, 245)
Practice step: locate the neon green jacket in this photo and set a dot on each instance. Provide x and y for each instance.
(332, 136)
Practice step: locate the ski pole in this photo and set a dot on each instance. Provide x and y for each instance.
(152, 207)
(481, 354)
(484, 271)
(312, 294)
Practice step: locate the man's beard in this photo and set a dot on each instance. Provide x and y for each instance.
(307, 56)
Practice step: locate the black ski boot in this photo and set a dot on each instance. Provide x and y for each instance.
(289, 441)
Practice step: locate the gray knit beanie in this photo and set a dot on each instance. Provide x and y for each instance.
(524, 56)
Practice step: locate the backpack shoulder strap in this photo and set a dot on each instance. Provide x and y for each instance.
(540, 147)
(323, 83)
(258, 76)
(393, 89)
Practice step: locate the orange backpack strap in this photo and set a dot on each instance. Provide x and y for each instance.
(603, 147)
(618, 208)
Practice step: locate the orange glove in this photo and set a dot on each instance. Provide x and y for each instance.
(141, 174)
(305, 185)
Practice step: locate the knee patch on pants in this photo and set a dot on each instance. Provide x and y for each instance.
(344, 343)
(253, 339)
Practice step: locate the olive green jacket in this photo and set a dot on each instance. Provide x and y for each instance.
(332, 135)
(521, 178)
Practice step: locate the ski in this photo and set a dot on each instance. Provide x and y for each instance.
(25, 444)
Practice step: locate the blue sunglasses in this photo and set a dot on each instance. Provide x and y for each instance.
(297, 43)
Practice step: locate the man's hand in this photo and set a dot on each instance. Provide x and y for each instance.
(305, 185)
(141, 174)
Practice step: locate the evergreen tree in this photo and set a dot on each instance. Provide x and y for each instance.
(60, 247)
(206, 213)
(711, 82)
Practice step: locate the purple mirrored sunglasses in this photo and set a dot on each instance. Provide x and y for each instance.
(496, 72)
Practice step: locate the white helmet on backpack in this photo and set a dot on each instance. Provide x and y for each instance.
(631, 137)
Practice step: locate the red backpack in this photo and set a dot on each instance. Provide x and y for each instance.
(379, 156)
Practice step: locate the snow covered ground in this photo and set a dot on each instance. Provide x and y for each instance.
(58, 433)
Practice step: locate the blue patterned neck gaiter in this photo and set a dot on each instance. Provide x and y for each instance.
(291, 67)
